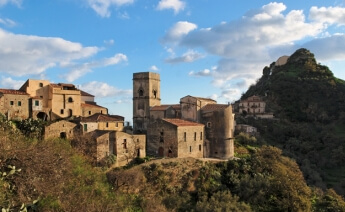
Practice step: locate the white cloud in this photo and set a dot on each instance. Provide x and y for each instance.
(26, 54)
(101, 89)
(202, 73)
(8, 82)
(231, 94)
(79, 70)
(179, 30)
(176, 5)
(330, 15)
(245, 46)
(102, 7)
(8, 22)
(109, 42)
(15, 2)
(188, 57)
(154, 68)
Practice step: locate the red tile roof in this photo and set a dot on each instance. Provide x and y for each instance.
(182, 123)
(165, 107)
(102, 118)
(212, 107)
(12, 91)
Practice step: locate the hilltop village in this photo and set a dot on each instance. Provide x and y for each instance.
(195, 127)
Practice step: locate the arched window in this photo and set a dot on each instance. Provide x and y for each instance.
(41, 85)
(154, 94)
(141, 92)
(70, 99)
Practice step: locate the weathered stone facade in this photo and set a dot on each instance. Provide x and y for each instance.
(14, 104)
(219, 124)
(146, 94)
(175, 138)
(101, 122)
(61, 129)
(164, 137)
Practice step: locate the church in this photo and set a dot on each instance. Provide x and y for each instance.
(196, 127)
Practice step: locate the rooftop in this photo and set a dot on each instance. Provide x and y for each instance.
(102, 118)
(212, 107)
(182, 123)
(12, 91)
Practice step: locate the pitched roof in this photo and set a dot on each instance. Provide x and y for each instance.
(102, 118)
(182, 123)
(213, 107)
(90, 105)
(12, 91)
(83, 93)
(165, 107)
(200, 98)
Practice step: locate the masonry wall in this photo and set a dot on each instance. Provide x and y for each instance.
(15, 106)
(104, 146)
(114, 125)
(127, 147)
(60, 129)
(220, 126)
(162, 139)
(90, 126)
(91, 110)
(190, 141)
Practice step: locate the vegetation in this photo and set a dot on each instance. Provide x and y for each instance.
(309, 103)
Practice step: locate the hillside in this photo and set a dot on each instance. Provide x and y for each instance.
(309, 103)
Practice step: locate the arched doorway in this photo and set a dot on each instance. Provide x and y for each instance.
(161, 152)
(42, 115)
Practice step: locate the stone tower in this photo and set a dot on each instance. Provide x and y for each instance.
(146, 93)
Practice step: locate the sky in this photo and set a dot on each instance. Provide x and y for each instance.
(205, 48)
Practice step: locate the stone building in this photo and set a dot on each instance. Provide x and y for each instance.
(166, 125)
(250, 130)
(61, 129)
(101, 122)
(175, 138)
(14, 104)
(252, 105)
(126, 147)
(219, 124)
(146, 94)
(50, 101)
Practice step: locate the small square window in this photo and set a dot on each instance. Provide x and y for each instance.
(61, 111)
(37, 103)
(19, 103)
(11, 102)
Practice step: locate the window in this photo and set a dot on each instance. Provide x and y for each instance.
(141, 92)
(125, 143)
(85, 127)
(37, 103)
(89, 112)
(61, 111)
(194, 136)
(161, 138)
(41, 85)
(185, 136)
(154, 94)
(200, 147)
(117, 124)
(107, 124)
(11, 102)
(209, 124)
(70, 99)
(190, 148)
(200, 135)
(19, 103)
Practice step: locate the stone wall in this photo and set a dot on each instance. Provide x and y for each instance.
(60, 129)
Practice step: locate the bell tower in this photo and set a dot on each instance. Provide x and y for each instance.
(146, 93)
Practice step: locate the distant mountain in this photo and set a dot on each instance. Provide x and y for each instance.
(309, 104)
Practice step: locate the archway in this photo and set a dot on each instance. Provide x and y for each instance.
(42, 115)
(63, 135)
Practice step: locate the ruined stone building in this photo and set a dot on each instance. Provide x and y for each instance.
(197, 127)
(14, 104)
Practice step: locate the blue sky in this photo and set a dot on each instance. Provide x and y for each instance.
(205, 48)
